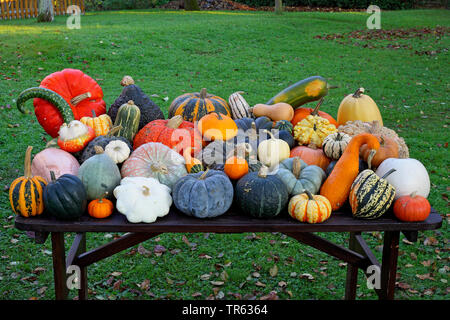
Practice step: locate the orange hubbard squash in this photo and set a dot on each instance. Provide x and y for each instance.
(336, 187)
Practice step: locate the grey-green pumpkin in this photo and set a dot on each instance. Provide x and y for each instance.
(299, 177)
(99, 174)
(205, 194)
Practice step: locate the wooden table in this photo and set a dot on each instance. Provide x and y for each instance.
(358, 255)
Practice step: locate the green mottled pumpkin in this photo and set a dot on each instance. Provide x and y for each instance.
(261, 195)
(99, 174)
(371, 196)
(127, 118)
(299, 177)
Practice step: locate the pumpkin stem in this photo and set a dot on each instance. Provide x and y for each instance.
(203, 93)
(52, 176)
(113, 131)
(269, 133)
(98, 150)
(159, 167)
(219, 115)
(315, 112)
(413, 195)
(370, 157)
(174, 122)
(388, 173)
(93, 114)
(100, 200)
(263, 171)
(126, 81)
(358, 93)
(310, 196)
(204, 174)
(146, 191)
(76, 100)
(27, 165)
(296, 167)
(130, 102)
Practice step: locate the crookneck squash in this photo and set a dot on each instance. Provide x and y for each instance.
(149, 109)
(193, 106)
(25, 193)
(304, 91)
(79, 90)
(336, 187)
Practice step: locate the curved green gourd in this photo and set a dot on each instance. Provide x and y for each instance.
(48, 95)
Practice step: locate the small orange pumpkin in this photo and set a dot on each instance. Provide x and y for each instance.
(100, 208)
(217, 126)
(412, 208)
(236, 167)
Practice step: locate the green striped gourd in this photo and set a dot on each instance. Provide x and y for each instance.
(128, 117)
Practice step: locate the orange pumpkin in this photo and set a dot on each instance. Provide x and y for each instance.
(217, 126)
(412, 208)
(388, 149)
(236, 167)
(302, 113)
(311, 155)
(100, 208)
(336, 187)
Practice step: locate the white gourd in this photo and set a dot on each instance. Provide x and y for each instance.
(239, 107)
(118, 151)
(142, 199)
(272, 151)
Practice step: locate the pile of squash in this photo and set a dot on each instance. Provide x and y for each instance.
(212, 154)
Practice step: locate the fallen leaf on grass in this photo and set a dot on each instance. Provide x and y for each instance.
(259, 284)
(273, 271)
(424, 276)
(217, 283)
(271, 296)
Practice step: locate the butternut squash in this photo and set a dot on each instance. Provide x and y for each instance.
(276, 112)
(336, 187)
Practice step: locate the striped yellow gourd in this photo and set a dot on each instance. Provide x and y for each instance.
(101, 124)
(309, 208)
(371, 196)
(25, 193)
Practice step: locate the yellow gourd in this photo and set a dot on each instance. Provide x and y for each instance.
(358, 106)
(313, 130)
(276, 112)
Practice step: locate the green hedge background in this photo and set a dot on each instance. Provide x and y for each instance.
(95, 5)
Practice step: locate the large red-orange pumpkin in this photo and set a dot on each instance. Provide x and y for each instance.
(302, 113)
(81, 92)
(174, 133)
(311, 155)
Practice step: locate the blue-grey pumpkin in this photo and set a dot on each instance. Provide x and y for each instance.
(205, 194)
(299, 177)
(261, 195)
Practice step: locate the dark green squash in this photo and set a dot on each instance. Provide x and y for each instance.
(261, 195)
(65, 198)
(286, 136)
(149, 110)
(127, 118)
(362, 166)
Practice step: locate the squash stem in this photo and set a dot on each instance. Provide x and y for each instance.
(93, 114)
(204, 174)
(413, 195)
(114, 130)
(52, 176)
(203, 93)
(310, 196)
(174, 122)
(100, 200)
(76, 100)
(315, 112)
(27, 165)
(263, 171)
(370, 157)
(296, 167)
(126, 81)
(146, 191)
(388, 173)
(358, 93)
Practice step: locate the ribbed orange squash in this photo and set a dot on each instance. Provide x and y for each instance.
(336, 187)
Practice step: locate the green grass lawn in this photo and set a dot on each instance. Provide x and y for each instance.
(170, 53)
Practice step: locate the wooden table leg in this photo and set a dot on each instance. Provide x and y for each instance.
(352, 273)
(83, 291)
(389, 264)
(59, 265)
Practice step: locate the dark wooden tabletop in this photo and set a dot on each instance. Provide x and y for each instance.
(230, 222)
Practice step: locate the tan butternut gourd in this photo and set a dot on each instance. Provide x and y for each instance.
(276, 112)
(336, 187)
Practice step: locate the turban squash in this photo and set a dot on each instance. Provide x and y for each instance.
(80, 91)
(193, 106)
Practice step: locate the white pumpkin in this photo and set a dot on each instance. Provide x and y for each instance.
(272, 151)
(410, 176)
(117, 150)
(73, 130)
(142, 199)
